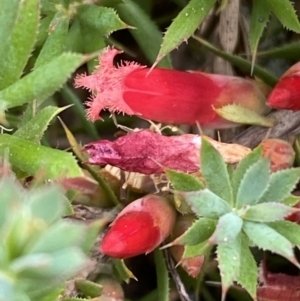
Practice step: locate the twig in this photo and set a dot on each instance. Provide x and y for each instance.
(288, 125)
(183, 295)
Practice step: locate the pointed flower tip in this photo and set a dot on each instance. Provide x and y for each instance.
(106, 85)
(139, 228)
(286, 93)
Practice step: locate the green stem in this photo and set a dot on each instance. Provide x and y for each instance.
(240, 62)
(106, 188)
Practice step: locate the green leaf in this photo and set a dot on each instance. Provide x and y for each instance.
(42, 82)
(43, 30)
(92, 41)
(228, 228)
(248, 269)
(184, 25)
(49, 204)
(122, 270)
(74, 39)
(56, 41)
(253, 183)
(200, 249)
(103, 19)
(34, 129)
(229, 258)
(267, 212)
(239, 114)
(288, 51)
(31, 158)
(200, 231)
(206, 203)
(266, 238)
(11, 193)
(241, 63)
(55, 238)
(214, 171)
(259, 18)
(183, 182)
(291, 200)
(286, 14)
(88, 288)
(243, 166)
(22, 40)
(59, 265)
(146, 33)
(289, 230)
(163, 284)
(281, 184)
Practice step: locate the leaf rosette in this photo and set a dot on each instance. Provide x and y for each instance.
(238, 208)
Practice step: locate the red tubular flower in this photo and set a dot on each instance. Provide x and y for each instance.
(286, 94)
(139, 228)
(166, 95)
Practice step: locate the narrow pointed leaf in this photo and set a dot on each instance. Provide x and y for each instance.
(286, 14)
(43, 30)
(239, 114)
(34, 129)
(88, 288)
(243, 166)
(280, 185)
(241, 63)
(92, 41)
(287, 51)
(200, 231)
(291, 200)
(163, 283)
(23, 37)
(56, 42)
(123, 272)
(266, 238)
(49, 204)
(248, 269)
(214, 171)
(104, 19)
(206, 203)
(200, 249)
(289, 230)
(183, 182)
(184, 25)
(268, 212)
(57, 233)
(10, 9)
(42, 82)
(146, 33)
(228, 228)
(30, 158)
(253, 183)
(229, 258)
(259, 18)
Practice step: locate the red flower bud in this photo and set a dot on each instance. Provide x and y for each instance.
(191, 265)
(280, 153)
(139, 228)
(286, 93)
(166, 95)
